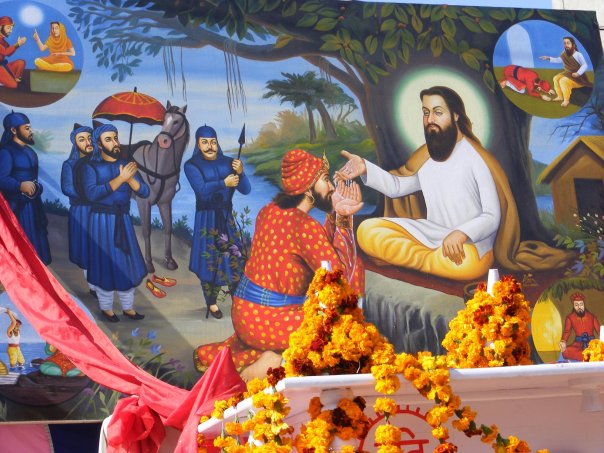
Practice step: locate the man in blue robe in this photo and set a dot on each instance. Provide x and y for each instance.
(115, 261)
(79, 207)
(214, 177)
(19, 181)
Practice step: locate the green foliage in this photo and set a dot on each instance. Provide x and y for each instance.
(182, 230)
(99, 402)
(43, 140)
(268, 149)
(55, 207)
(373, 38)
(232, 248)
(587, 239)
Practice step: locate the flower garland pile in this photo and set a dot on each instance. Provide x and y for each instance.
(594, 351)
(491, 330)
(347, 421)
(334, 339)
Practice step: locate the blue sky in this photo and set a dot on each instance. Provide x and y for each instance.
(545, 39)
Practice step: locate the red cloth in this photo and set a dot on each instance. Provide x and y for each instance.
(61, 322)
(522, 77)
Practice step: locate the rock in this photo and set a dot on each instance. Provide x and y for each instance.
(413, 318)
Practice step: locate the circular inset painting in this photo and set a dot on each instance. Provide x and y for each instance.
(543, 69)
(43, 60)
(570, 314)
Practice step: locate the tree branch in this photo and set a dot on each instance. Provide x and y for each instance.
(347, 79)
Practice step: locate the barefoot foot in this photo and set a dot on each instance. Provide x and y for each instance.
(268, 359)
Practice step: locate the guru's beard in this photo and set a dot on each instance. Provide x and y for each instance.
(440, 142)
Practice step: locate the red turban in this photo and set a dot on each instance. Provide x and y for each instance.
(300, 171)
(544, 85)
(577, 296)
(5, 20)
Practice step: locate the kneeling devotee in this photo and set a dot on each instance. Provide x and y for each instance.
(288, 246)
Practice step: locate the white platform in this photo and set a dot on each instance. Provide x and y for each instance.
(557, 406)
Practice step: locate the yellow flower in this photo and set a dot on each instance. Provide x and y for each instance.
(389, 449)
(233, 428)
(387, 434)
(347, 449)
(224, 442)
(314, 407)
(385, 406)
(219, 407)
(256, 385)
(462, 424)
(440, 432)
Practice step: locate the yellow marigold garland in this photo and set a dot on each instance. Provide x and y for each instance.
(334, 339)
(347, 420)
(594, 351)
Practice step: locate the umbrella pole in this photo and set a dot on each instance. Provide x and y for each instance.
(130, 139)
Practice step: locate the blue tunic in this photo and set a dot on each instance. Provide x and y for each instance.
(115, 262)
(212, 211)
(79, 210)
(17, 164)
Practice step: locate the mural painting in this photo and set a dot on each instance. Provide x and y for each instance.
(183, 170)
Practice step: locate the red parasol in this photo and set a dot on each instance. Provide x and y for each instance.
(131, 107)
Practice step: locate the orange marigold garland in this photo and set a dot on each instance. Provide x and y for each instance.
(491, 330)
(347, 421)
(594, 351)
(334, 339)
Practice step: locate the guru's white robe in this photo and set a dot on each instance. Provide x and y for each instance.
(460, 194)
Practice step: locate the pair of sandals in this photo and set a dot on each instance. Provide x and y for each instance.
(164, 281)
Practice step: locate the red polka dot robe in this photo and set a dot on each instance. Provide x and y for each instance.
(288, 247)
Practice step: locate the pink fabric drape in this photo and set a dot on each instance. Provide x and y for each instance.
(60, 321)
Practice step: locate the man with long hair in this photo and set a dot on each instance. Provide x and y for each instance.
(456, 238)
(573, 76)
(288, 247)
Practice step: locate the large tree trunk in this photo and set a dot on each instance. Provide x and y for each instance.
(312, 131)
(510, 131)
(330, 130)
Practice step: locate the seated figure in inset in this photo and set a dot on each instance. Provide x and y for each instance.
(60, 47)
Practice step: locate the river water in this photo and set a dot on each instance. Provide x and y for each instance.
(184, 201)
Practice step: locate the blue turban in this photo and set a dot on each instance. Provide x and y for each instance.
(77, 129)
(13, 119)
(96, 135)
(205, 132)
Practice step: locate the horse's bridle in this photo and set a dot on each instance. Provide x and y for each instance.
(153, 173)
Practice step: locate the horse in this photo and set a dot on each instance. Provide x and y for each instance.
(159, 164)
